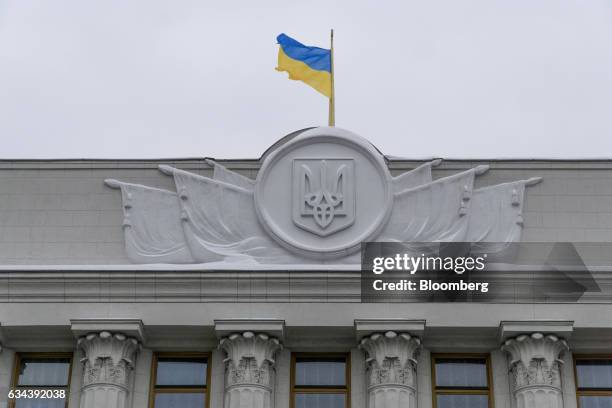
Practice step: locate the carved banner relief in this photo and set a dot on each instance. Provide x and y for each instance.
(317, 197)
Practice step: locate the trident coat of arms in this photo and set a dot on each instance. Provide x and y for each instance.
(319, 194)
(323, 195)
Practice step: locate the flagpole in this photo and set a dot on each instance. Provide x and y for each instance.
(332, 98)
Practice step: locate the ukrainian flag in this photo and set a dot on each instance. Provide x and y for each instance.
(311, 65)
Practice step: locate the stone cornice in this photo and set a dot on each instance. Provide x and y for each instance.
(364, 327)
(128, 327)
(510, 328)
(271, 327)
(253, 164)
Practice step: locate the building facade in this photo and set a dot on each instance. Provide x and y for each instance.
(113, 294)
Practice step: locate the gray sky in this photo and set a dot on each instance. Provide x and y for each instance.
(147, 78)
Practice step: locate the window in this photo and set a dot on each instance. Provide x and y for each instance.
(180, 380)
(594, 381)
(320, 381)
(461, 381)
(46, 375)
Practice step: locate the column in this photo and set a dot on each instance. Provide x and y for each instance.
(108, 361)
(391, 360)
(249, 369)
(6, 374)
(535, 363)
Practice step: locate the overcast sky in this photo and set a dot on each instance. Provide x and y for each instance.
(448, 78)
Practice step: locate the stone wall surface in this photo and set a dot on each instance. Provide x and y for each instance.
(60, 212)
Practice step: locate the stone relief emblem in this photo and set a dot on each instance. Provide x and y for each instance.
(324, 195)
(318, 195)
(310, 193)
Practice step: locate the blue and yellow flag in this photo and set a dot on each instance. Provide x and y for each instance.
(311, 65)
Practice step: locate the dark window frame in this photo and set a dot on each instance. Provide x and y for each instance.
(154, 389)
(40, 356)
(590, 392)
(435, 390)
(299, 389)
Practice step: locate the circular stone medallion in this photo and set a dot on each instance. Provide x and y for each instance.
(323, 193)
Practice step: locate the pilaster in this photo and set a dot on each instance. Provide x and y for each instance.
(142, 379)
(7, 360)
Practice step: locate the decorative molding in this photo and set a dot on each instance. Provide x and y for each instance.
(535, 369)
(391, 361)
(364, 327)
(128, 327)
(535, 359)
(514, 328)
(250, 358)
(391, 358)
(272, 327)
(109, 358)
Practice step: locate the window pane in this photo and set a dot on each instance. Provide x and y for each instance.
(320, 372)
(40, 403)
(461, 373)
(594, 373)
(44, 372)
(463, 401)
(186, 400)
(320, 400)
(181, 371)
(596, 402)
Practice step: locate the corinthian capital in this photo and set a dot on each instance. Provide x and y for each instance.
(250, 358)
(391, 358)
(535, 359)
(108, 357)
